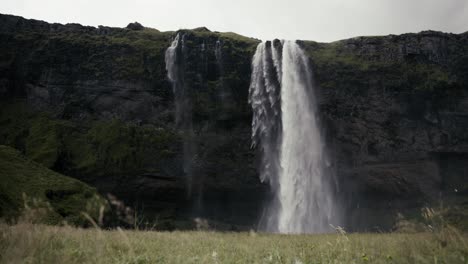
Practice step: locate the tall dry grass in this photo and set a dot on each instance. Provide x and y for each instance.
(29, 242)
(32, 243)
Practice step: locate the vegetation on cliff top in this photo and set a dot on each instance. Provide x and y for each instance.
(398, 62)
(95, 53)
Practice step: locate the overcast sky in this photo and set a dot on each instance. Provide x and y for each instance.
(320, 20)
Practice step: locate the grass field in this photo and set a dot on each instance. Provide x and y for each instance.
(28, 243)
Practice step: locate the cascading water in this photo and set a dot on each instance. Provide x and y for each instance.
(286, 129)
(175, 63)
(219, 53)
(265, 100)
(196, 54)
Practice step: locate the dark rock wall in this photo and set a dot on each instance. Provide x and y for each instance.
(396, 114)
(95, 104)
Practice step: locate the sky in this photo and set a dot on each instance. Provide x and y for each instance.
(319, 20)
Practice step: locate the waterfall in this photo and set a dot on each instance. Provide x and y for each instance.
(219, 53)
(286, 130)
(175, 63)
(265, 101)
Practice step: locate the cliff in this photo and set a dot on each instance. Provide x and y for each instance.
(95, 104)
(396, 113)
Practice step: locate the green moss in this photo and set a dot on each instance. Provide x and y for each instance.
(38, 135)
(339, 66)
(233, 43)
(13, 127)
(68, 198)
(334, 54)
(89, 149)
(88, 54)
(116, 148)
(426, 77)
(239, 38)
(42, 143)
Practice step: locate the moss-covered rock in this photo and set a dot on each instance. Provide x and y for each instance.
(87, 149)
(64, 199)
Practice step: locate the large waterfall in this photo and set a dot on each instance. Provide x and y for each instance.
(286, 130)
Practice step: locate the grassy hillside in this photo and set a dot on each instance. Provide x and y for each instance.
(25, 183)
(69, 245)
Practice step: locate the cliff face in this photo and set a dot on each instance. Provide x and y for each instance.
(396, 113)
(95, 104)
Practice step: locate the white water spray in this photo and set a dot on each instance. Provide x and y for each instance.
(170, 58)
(175, 63)
(293, 157)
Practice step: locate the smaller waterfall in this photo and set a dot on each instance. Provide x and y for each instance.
(204, 57)
(219, 54)
(171, 61)
(175, 66)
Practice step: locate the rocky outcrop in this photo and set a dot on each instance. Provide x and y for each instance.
(95, 104)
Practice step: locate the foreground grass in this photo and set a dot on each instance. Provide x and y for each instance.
(26, 243)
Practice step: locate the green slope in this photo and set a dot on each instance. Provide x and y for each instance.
(61, 197)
